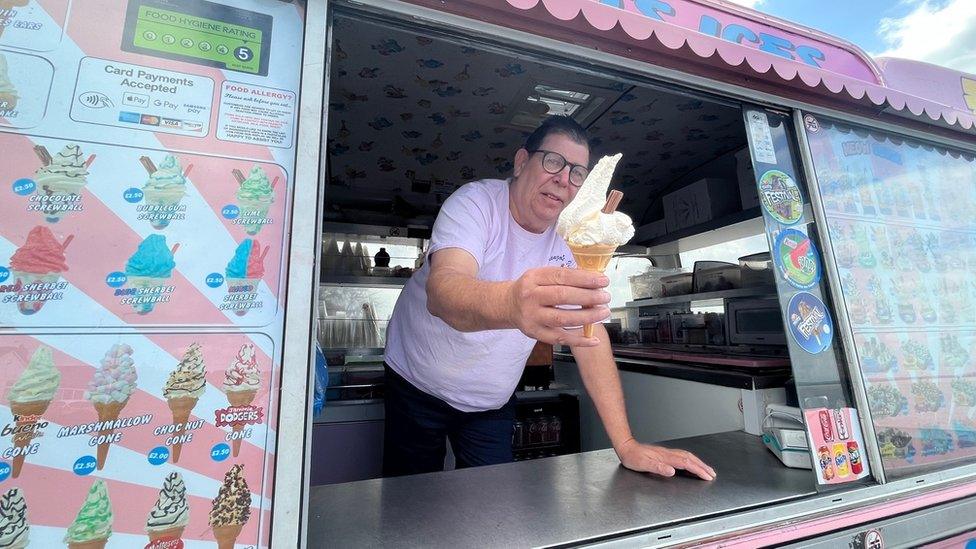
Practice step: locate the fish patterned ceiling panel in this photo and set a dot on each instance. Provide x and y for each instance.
(412, 117)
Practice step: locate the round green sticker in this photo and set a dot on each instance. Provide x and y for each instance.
(797, 259)
(780, 196)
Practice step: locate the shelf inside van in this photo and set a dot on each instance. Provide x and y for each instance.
(367, 281)
(722, 294)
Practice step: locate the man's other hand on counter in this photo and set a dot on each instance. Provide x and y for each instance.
(661, 461)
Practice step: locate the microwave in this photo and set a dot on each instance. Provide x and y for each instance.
(754, 321)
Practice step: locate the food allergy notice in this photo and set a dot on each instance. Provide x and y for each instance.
(142, 98)
(256, 114)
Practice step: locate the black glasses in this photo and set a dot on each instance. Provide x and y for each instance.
(554, 163)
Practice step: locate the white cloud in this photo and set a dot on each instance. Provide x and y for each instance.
(943, 33)
(749, 3)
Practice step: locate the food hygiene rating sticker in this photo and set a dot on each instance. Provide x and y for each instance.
(797, 259)
(810, 323)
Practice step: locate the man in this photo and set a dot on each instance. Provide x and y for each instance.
(495, 276)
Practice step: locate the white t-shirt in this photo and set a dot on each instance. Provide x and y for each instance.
(471, 371)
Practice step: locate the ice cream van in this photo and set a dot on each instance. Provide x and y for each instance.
(199, 193)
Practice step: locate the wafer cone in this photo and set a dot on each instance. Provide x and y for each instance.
(93, 544)
(107, 411)
(31, 410)
(239, 398)
(226, 536)
(181, 408)
(595, 260)
(172, 533)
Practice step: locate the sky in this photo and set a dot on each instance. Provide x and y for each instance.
(937, 31)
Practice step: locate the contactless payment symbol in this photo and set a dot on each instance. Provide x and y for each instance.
(780, 196)
(797, 259)
(810, 323)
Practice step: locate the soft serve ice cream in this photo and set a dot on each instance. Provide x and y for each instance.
(164, 190)
(591, 225)
(583, 223)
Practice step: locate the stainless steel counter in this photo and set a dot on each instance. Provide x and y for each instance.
(564, 499)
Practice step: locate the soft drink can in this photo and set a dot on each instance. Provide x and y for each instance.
(855, 455)
(840, 459)
(826, 426)
(843, 432)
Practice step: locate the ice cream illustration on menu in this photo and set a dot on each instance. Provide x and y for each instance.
(243, 274)
(163, 191)
(8, 93)
(183, 389)
(59, 181)
(7, 11)
(169, 516)
(148, 272)
(14, 524)
(37, 268)
(93, 525)
(109, 390)
(241, 384)
(231, 508)
(29, 399)
(590, 224)
(254, 197)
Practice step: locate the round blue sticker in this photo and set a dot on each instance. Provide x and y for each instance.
(158, 455)
(84, 465)
(810, 322)
(797, 259)
(4, 274)
(230, 211)
(215, 280)
(133, 195)
(116, 279)
(4, 471)
(24, 187)
(220, 451)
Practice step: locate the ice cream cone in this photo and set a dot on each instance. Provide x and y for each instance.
(164, 198)
(239, 398)
(107, 411)
(595, 260)
(30, 411)
(8, 102)
(31, 307)
(92, 544)
(181, 408)
(172, 533)
(254, 209)
(144, 283)
(226, 536)
(252, 282)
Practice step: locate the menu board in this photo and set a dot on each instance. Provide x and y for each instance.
(147, 150)
(902, 224)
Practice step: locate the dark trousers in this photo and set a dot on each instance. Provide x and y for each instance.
(418, 425)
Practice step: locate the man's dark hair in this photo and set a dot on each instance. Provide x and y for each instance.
(557, 125)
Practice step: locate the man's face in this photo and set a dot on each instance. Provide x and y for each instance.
(537, 197)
